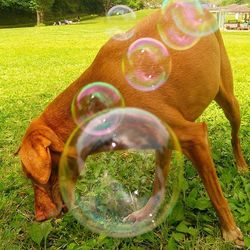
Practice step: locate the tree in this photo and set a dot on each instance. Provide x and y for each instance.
(107, 4)
(103, 6)
(67, 7)
(92, 6)
(15, 4)
(41, 6)
(152, 3)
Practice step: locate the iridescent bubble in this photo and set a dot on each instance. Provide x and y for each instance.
(120, 19)
(193, 19)
(147, 64)
(205, 4)
(93, 98)
(165, 2)
(103, 125)
(170, 33)
(120, 183)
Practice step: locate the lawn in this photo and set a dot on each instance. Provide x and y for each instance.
(36, 64)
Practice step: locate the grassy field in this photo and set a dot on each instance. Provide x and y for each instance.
(38, 63)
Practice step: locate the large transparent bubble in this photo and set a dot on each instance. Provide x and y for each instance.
(147, 64)
(194, 19)
(170, 32)
(93, 98)
(120, 182)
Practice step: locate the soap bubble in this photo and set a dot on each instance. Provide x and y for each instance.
(120, 183)
(170, 33)
(93, 98)
(120, 19)
(147, 64)
(193, 19)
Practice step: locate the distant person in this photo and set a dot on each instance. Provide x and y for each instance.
(77, 19)
(245, 25)
(57, 23)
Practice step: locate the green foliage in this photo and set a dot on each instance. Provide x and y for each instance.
(102, 6)
(95, 6)
(40, 231)
(38, 64)
(11, 10)
(65, 6)
(27, 4)
(228, 2)
(15, 4)
(42, 5)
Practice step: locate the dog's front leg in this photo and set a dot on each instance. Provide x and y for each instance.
(161, 173)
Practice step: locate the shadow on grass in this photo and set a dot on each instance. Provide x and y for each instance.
(50, 22)
(14, 26)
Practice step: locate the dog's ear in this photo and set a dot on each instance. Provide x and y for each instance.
(35, 153)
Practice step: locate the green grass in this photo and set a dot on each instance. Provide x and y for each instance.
(36, 64)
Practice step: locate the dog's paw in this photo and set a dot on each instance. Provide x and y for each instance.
(242, 166)
(234, 236)
(145, 213)
(136, 216)
(243, 170)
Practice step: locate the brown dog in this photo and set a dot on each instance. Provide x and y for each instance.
(199, 75)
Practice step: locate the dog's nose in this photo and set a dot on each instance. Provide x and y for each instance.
(46, 212)
(45, 206)
(64, 208)
(40, 216)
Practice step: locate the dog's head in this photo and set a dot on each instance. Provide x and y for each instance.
(40, 153)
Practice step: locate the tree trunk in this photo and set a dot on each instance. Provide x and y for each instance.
(107, 5)
(40, 17)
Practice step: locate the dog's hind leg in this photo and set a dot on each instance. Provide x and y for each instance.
(230, 106)
(196, 147)
(227, 101)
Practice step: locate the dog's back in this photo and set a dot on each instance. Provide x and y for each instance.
(193, 82)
